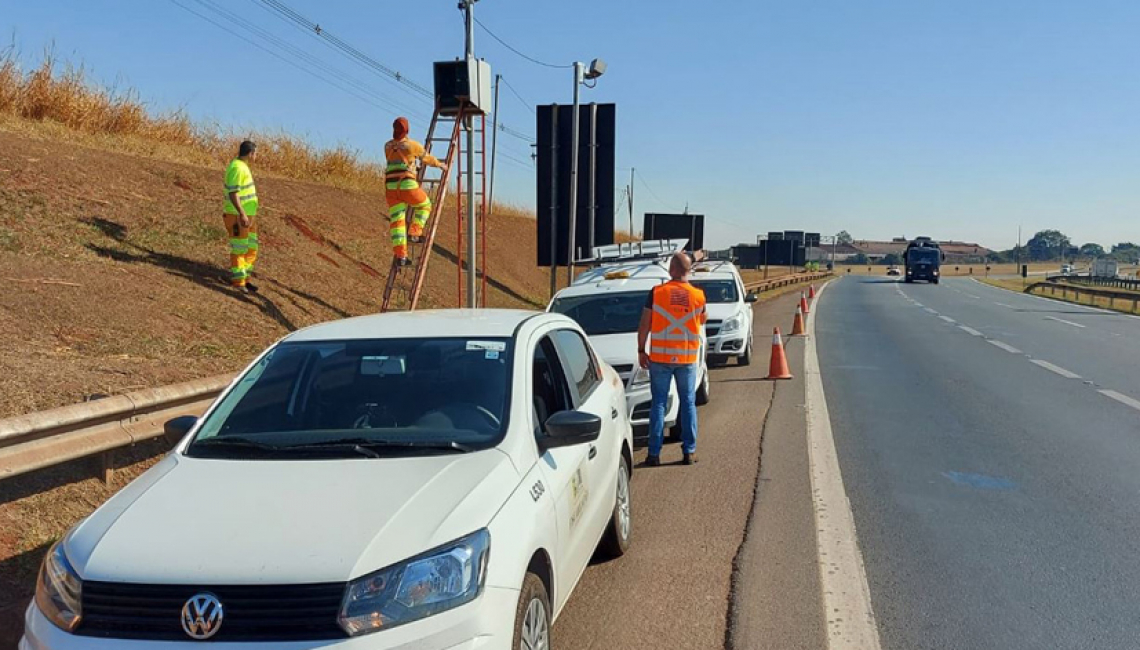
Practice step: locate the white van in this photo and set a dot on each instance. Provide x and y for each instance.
(607, 301)
(729, 306)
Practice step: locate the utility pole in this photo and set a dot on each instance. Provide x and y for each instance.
(574, 175)
(631, 233)
(468, 7)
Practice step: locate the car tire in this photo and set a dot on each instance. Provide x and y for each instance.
(703, 391)
(746, 358)
(532, 616)
(615, 541)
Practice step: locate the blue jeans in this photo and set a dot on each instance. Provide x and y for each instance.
(660, 376)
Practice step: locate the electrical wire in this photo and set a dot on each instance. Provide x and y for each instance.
(528, 58)
(529, 106)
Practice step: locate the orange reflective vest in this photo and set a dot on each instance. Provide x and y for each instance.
(401, 156)
(675, 330)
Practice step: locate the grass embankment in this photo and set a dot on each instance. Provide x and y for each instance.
(1020, 284)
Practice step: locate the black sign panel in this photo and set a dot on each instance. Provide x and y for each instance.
(555, 132)
(675, 226)
(773, 252)
(811, 239)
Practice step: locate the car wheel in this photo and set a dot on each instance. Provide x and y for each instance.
(703, 391)
(616, 540)
(746, 358)
(532, 616)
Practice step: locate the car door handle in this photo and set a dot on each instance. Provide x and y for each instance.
(613, 413)
(593, 452)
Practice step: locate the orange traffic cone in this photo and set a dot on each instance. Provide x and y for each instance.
(804, 303)
(778, 368)
(798, 323)
(811, 292)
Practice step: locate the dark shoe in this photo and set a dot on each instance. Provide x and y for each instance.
(416, 239)
(403, 261)
(240, 288)
(652, 461)
(251, 287)
(689, 459)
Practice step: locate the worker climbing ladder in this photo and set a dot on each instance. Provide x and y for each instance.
(404, 284)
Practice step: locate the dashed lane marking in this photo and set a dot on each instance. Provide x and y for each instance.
(970, 295)
(849, 616)
(1057, 369)
(1002, 304)
(948, 319)
(1123, 399)
(1005, 346)
(1062, 320)
(969, 330)
(929, 310)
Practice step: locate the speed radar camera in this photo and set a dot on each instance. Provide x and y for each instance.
(597, 69)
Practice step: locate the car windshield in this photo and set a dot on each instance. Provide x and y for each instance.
(607, 313)
(718, 291)
(364, 398)
(923, 255)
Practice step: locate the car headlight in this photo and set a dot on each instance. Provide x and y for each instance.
(439, 580)
(640, 377)
(732, 324)
(59, 590)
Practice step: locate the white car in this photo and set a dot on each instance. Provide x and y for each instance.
(429, 480)
(729, 307)
(607, 302)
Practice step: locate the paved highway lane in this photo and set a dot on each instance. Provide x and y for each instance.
(994, 498)
(677, 585)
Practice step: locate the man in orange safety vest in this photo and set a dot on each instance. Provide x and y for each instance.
(671, 324)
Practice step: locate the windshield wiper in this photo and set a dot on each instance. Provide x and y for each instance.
(234, 442)
(372, 448)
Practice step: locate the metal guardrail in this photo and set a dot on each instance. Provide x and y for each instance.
(766, 285)
(1065, 288)
(37, 440)
(1129, 284)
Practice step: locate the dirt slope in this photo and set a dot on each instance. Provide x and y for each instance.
(111, 263)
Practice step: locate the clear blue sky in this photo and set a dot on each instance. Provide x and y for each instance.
(952, 118)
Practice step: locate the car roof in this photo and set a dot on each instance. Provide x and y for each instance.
(617, 285)
(654, 270)
(422, 323)
(714, 269)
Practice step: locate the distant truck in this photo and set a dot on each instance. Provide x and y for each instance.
(1104, 269)
(922, 260)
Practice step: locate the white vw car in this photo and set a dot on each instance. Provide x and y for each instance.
(425, 480)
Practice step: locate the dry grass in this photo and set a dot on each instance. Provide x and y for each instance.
(61, 94)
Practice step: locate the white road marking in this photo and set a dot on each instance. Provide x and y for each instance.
(1123, 399)
(969, 330)
(842, 575)
(917, 304)
(1002, 304)
(970, 295)
(948, 319)
(1057, 369)
(929, 310)
(1067, 322)
(1005, 346)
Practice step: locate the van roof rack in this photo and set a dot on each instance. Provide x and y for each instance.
(710, 266)
(658, 249)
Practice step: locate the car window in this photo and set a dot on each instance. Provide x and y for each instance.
(581, 370)
(550, 393)
(718, 291)
(406, 392)
(606, 313)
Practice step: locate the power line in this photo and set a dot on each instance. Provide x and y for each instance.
(528, 58)
(529, 106)
(285, 59)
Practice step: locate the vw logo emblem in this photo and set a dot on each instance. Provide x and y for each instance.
(202, 616)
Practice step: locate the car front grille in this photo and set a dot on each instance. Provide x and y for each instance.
(641, 411)
(712, 328)
(251, 612)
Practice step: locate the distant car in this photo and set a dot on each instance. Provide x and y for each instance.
(1066, 269)
(894, 270)
(434, 479)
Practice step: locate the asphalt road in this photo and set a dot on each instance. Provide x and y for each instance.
(694, 578)
(990, 447)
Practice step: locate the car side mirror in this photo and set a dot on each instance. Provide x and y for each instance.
(175, 430)
(751, 297)
(568, 428)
